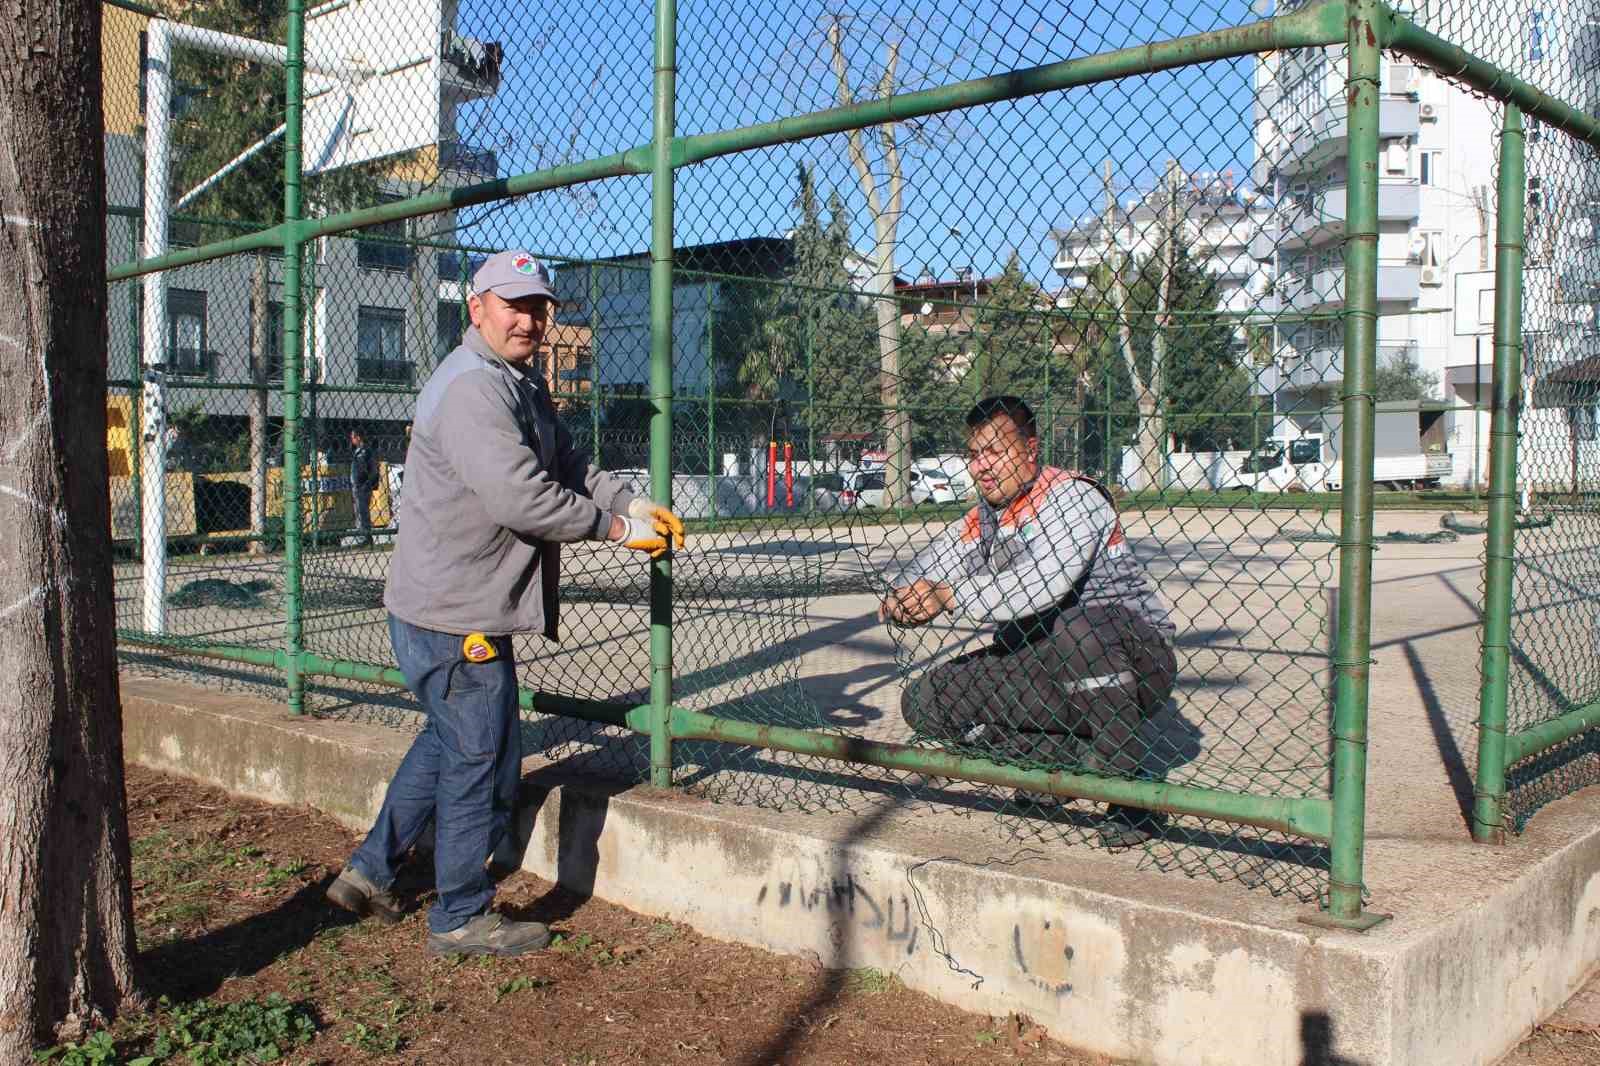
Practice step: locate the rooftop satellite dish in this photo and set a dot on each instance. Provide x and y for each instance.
(927, 308)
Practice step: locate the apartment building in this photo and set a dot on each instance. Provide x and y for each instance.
(1218, 219)
(380, 308)
(1437, 163)
(1435, 225)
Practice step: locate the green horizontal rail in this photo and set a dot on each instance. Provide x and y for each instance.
(1453, 61)
(545, 703)
(137, 9)
(1320, 23)
(237, 653)
(1545, 735)
(610, 166)
(1307, 817)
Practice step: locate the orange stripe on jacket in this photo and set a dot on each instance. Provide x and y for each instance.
(1025, 508)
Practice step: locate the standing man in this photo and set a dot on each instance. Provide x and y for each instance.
(1083, 646)
(493, 487)
(363, 479)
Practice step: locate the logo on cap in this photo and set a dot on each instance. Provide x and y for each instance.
(523, 263)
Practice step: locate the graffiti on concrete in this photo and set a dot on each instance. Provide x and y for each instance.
(883, 913)
(1043, 956)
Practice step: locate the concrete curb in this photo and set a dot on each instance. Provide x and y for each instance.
(1155, 969)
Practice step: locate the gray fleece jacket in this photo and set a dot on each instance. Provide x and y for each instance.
(1057, 546)
(493, 485)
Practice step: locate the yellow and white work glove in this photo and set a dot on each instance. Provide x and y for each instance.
(641, 536)
(659, 518)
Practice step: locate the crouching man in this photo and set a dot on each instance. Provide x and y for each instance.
(1083, 646)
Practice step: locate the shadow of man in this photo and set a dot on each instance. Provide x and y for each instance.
(195, 967)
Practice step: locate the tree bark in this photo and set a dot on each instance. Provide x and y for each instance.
(1152, 420)
(1122, 326)
(885, 225)
(260, 323)
(66, 913)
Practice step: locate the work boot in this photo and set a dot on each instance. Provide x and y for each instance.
(353, 891)
(1128, 827)
(491, 934)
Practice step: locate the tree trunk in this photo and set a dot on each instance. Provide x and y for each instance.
(66, 912)
(885, 227)
(1152, 420)
(1122, 328)
(260, 323)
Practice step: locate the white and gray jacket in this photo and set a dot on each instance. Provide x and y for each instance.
(493, 485)
(1058, 545)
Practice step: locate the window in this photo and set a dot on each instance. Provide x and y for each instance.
(380, 346)
(184, 233)
(1585, 426)
(186, 333)
(1305, 451)
(274, 353)
(1305, 90)
(1429, 247)
(449, 328)
(1431, 168)
(1536, 36)
(381, 247)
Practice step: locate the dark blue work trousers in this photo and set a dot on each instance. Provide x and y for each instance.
(461, 773)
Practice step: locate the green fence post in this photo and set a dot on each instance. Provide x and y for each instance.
(293, 77)
(661, 237)
(711, 407)
(310, 345)
(811, 415)
(1049, 404)
(1354, 646)
(1111, 477)
(136, 397)
(1489, 795)
(594, 366)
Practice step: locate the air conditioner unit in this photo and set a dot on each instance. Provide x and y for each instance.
(1432, 276)
(1428, 112)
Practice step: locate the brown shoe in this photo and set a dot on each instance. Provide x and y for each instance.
(353, 891)
(491, 934)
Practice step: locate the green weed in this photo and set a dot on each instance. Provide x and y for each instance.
(224, 1034)
(868, 981)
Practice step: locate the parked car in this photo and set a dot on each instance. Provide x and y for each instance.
(865, 488)
(940, 481)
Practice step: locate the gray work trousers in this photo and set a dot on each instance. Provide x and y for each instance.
(1072, 699)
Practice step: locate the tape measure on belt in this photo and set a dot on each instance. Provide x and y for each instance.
(477, 648)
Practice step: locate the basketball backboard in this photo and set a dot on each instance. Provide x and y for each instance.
(414, 68)
(1474, 302)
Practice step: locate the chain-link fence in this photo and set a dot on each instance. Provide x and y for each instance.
(1229, 272)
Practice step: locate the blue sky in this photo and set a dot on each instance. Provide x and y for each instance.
(576, 83)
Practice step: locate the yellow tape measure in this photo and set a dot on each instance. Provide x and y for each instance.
(477, 648)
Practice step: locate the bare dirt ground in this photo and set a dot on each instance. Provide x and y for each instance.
(228, 898)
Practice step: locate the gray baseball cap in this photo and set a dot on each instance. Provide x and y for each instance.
(512, 275)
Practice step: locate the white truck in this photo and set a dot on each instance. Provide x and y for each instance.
(1408, 453)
